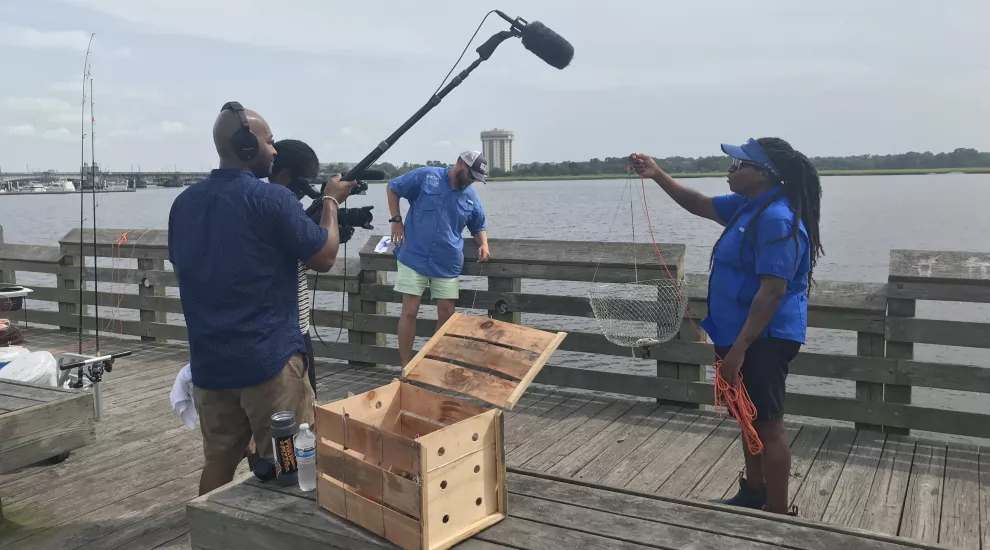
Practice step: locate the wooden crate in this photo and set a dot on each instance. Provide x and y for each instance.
(426, 470)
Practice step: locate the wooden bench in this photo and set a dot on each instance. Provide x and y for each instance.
(42, 422)
(545, 513)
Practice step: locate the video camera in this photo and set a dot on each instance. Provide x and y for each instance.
(347, 218)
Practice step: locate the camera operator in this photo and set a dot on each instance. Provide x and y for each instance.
(235, 243)
(296, 165)
(429, 246)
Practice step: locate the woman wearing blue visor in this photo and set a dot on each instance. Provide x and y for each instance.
(761, 269)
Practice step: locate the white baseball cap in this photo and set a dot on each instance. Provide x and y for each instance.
(477, 163)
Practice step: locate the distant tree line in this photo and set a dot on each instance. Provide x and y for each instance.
(960, 158)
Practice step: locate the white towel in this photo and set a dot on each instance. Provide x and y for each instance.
(183, 402)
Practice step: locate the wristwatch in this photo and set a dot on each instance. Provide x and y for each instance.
(396, 218)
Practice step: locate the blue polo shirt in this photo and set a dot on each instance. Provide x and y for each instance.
(738, 263)
(235, 242)
(436, 220)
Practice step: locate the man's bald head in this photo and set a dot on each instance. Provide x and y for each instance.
(227, 124)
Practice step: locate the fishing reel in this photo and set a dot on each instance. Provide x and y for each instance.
(88, 368)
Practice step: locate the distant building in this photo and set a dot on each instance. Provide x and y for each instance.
(497, 146)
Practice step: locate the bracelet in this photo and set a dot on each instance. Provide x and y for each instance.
(325, 197)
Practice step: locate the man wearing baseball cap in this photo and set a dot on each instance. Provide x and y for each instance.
(429, 245)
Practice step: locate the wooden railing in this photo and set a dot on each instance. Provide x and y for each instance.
(880, 314)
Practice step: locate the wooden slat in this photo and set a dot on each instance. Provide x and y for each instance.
(960, 525)
(432, 405)
(815, 492)
(385, 487)
(741, 524)
(468, 382)
(932, 331)
(558, 253)
(499, 332)
(847, 367)
(922, 512)
(483, 355)
(942, 266)
(376, 445)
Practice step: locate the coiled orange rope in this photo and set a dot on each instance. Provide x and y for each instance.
(732, 398)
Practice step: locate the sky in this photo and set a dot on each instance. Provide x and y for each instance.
(660, 77)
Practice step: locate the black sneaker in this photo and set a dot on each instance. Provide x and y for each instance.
(792, 512)
(746, 497)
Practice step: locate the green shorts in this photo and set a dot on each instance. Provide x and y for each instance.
(411, 282)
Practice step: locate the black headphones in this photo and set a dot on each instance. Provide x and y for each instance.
(245, 143)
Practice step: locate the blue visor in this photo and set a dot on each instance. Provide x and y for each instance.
(751, 152)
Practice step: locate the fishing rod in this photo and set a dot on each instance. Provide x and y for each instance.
(82, 179)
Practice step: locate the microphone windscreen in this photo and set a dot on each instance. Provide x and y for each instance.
(371, 175)
(547, 45)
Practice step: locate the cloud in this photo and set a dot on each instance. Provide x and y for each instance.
(109, 91)
(442, 144)
(122, 52)
(346, 131)
(29, 37)
(36, 104)
(20, 130)
(170, 127)
(59, 134)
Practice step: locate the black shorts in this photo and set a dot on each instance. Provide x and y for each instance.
(310, 361)
(764, 373)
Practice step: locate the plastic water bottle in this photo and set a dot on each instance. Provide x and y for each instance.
(305, 444)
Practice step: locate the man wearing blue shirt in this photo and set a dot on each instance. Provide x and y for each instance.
(234, 242)
(429, 246)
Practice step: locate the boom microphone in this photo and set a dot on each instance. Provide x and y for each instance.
(536, 37)
(543, 42)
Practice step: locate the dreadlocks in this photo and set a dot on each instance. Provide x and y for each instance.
(294, 156)
(801, 185)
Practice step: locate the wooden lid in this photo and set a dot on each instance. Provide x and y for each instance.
(490, 360)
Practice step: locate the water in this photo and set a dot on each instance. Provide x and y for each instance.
(305, 444)
(863, 218)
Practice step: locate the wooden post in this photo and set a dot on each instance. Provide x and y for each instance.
(148, 289)
(8, 277)
(869, 345)
(896, 393)
(355, 304)
(505, 284)
(67, 265)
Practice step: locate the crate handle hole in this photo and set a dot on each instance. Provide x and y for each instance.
(446, 519)
(478, 502)
(440, 451)
(378, 405)
(477, 469)
(474, 437)
(443, 484)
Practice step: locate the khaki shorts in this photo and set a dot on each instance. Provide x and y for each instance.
(409, 281)
(230, 419)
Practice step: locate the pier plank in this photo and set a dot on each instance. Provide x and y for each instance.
(653, 474)
(851, 490)
(626, 442)
(960, 525)
(577, 439)
(615, 432)
(885, 501)
(815, 493)
(922, 513)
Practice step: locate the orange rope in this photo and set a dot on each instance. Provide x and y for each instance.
(734, 399)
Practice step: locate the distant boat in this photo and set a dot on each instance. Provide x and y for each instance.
(62, 185)
(34, 187)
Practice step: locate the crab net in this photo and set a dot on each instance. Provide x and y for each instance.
(639, 314)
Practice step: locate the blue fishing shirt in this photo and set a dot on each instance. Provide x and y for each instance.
(435, 221)
(235, 243)
(739, 262)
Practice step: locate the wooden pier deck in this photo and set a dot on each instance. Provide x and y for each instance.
(129, 489)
